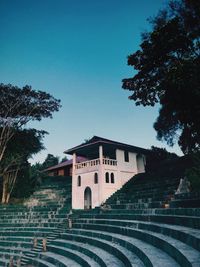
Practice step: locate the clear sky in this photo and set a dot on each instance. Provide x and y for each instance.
(77, 50)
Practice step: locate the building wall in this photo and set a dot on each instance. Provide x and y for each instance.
(101, 191)
(87, 180)
(109, 188)
(61, 172)
(126, 170)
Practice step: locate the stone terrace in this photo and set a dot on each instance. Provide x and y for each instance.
(40, 217)
(136, 227)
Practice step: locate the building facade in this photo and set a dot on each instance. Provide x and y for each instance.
(108, 167)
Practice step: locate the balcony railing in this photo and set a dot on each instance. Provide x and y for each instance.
(95, 162)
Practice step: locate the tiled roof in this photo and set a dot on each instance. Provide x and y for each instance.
(65, 163)
(101, 140)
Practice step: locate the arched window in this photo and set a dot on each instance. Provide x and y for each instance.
(96, 178)
(79, 181)
(112, 178)
(107, 177)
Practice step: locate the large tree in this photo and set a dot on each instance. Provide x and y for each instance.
(168, 73)
(18, 106)
(20, 148)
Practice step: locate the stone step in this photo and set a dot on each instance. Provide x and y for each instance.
(176, 249)
(9, 248)
(166, 211)
(17, 225)
(86, 249)
(4, 262)
(187, 235)
(102, 255)
(38, 262)
(59, 260)
(148, 254)
(188, 221)
(33, 216)
(80, 258)
(10, 254)
(35, 230)
(140, 205)
(31, 221)
(15, 244)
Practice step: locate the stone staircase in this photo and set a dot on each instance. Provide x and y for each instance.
(135, 228)
(41, 217)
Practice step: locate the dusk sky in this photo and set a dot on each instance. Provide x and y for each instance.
(77, 51)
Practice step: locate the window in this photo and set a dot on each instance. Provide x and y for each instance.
(79, 181)
(107, 177)
(126, 156)
(96, 178)
(112, 178)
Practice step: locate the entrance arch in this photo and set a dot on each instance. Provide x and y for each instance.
(87, 198)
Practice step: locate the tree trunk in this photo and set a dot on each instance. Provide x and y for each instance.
(9, 179)
(4, 193)
(7, 197)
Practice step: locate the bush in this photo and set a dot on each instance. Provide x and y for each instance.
(193, 173)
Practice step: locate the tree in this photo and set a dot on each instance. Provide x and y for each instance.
(168, 68)
(18, 107)
(25, 184)
(193, 173)
(23, 145)
(50, 161)
(64, 159)
(157, 156)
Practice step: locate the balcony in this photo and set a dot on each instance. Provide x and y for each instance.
(93, 164)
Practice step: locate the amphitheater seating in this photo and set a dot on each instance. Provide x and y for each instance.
(40, 217)
(137, 226)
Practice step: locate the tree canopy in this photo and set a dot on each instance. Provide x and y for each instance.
(20, 148)
(50, 161)
(168, 68)
(18, 106)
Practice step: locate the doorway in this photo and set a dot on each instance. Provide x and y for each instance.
(87, 198)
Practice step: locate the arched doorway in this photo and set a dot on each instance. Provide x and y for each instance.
(87, 198)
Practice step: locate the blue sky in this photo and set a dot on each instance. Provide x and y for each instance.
(77, 50)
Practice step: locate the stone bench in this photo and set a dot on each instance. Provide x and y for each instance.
(183, 254)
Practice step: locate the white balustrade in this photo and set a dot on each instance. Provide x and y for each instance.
(111, 162)
(95, 162)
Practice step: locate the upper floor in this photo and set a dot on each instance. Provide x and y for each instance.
(101, 153)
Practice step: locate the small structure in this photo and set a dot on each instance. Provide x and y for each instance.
(11, 261)
(108, 167)
(44, 244)
(18, 262)
(63, 169)
(184, 186)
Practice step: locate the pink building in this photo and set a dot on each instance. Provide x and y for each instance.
(108, 167)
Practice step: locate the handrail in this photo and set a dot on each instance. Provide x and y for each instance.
(95, 162)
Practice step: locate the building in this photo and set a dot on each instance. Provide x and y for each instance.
(108, 167)
(63, 169)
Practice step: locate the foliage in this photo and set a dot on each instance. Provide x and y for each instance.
(50, 161)
(157, 156)
(64, 159)
(168, 67)
(20, 148)
(24, 185)
(193, 173)
(19, 106)
(36, 173)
